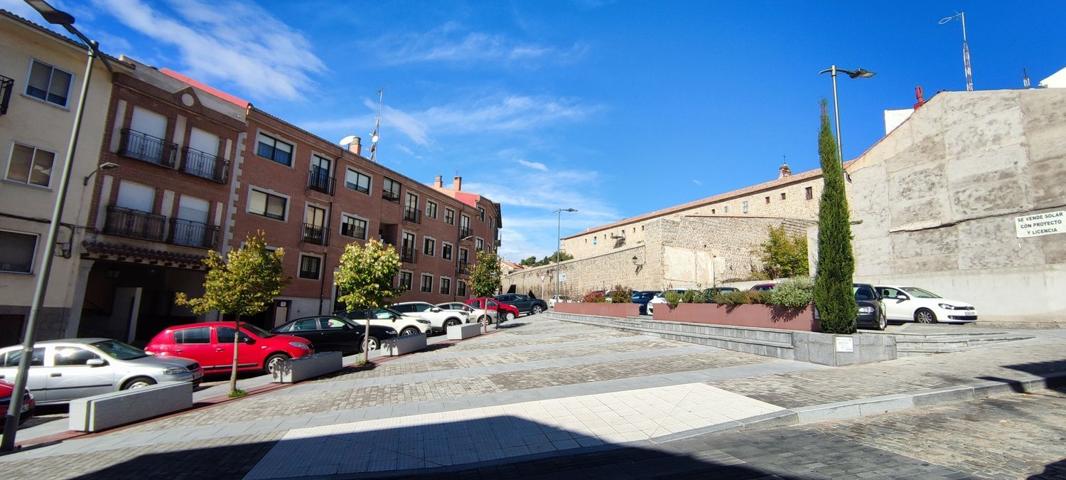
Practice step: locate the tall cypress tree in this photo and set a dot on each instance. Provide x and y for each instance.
(833, 296)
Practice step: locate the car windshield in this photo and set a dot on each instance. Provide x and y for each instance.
(259, 332)
(119, 350)
(919, 293)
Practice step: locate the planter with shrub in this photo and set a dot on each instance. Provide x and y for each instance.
(787, 306)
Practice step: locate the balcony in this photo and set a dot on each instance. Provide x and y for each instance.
(204, 165)
(314, 234)
(350, 230)
(390, 196)
(146, 148)
(465, 232)
(6, 86)
(126, 222)
(462, 269)
(412, 215)
(193, 234)
(320, 181)
(407, 254)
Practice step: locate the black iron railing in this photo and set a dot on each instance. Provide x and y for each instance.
(319, 180)
(352, 230)
(390, 196)
(465, 232)
(407, 254)
(144, 147)
(411, 215)
(314, 234)
(6, 86)
(193, 234)
(134, 223)
(204, 165)
(463, 268)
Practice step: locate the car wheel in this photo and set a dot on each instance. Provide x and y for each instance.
(273, 362)
(882, 321)
(409, 331)
(924, 315)
(537, 309)
(509, 316)
(373, 343)
(451, 322)
(484, 320)
(138, 382)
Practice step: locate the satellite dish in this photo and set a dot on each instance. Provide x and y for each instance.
(374, 138)
(348, 140)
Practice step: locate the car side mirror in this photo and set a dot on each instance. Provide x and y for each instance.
(248, 340)
(901, 297)
(96, 362)
(434, 309)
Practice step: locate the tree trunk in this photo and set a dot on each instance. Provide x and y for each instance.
(236, 343)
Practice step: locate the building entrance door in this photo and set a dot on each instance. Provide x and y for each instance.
(125, 311)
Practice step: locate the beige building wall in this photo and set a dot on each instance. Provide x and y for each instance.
(27, 209)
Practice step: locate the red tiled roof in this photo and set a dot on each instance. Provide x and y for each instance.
(240, 102)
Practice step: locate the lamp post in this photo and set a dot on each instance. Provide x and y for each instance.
(559, 235)
(11, 420)
(832, 71)
(965, 48)
(103, 167)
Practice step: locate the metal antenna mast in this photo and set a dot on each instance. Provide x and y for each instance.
(377, 126)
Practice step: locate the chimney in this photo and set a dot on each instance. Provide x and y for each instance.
(457, 183)
(438, 181)
(355, 147)
(784, 171)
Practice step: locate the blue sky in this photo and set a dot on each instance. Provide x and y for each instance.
(614, 108)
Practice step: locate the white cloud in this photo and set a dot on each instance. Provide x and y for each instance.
(229, 41)
(534, 165)
(454, 44)
(697, 182)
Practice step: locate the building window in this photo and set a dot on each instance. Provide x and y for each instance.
(767, 199)
(357, 181)
(267, 205)
(782, 195)
(445, 285)
(809, 191)
(464, 256)
(48, 83)
(405, 281)
(479, 244)
(431, 209)
(271, 148)
(481, 213)
(429, 246)
(354, 227)
(464, 225)
(593, 240)
(310, 267)
(320, 177)
(446, 251)
(713, 211)
(314, 228)
(30, 165)
(744, 206)
(460, 288)
(427, 283)
(725, 209)
(17, 251)
(449, 216)
(390, 190)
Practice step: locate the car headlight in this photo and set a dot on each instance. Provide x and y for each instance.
(301, 346)
(946, 306)
(866, 310)
(423, 321)
(175, 371)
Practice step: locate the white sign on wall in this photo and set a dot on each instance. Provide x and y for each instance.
(1040, 224)
(845, 344)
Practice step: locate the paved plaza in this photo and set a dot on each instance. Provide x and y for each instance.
(546, 395)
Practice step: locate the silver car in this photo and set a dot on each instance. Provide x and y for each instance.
(62, 370)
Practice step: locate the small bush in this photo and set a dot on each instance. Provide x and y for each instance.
(594, 297)
(796, 293)
(742, 297)
(672, 299)
(620, 294)
(692, 296)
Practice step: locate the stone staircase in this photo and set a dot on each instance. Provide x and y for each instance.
(915, 339)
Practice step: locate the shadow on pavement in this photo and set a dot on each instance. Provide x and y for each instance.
(1056, 470)
(1053, 372)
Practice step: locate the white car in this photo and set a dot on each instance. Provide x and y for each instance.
(473, 315)
(405, 324)
(660, 298)
(558, 299)
(439, 319)
(922, 306)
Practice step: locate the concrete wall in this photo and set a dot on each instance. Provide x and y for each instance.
(938, 198)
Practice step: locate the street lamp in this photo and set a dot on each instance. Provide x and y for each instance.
(11, 420)
(558, 251)
(103, 167)
(965, 48)
(832, 71)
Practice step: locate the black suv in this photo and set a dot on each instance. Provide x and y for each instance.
(871, 312)
(524, 303)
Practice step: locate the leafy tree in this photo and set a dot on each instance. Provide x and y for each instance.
(833, 296)
(558, 256)
(485, 276)
(529, 262)
(784, 255)
(365, 279)
(242, 284)
(620, 294)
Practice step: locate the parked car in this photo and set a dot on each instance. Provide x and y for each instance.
(642, 297)
(333, 333)
(709, 293)
(763, 287)
(473, 315)
(922, 306)
(660, 298)
(385, 317)
(439, 319)
(499, 311)
(211, 344)
(63, 370)
(871, 311)
(524, 303)
(28, 403)
(558, 299)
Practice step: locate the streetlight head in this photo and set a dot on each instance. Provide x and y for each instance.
(50, 14)
(108, 166)
(571, 210)
(861, 73)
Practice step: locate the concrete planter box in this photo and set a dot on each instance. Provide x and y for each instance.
(311, 366)
(758, 316)
(839, 350)
(462, 332)
(601, 309)
(403, 345)
(109, 410)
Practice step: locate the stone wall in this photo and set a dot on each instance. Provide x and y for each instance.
(938, 198)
